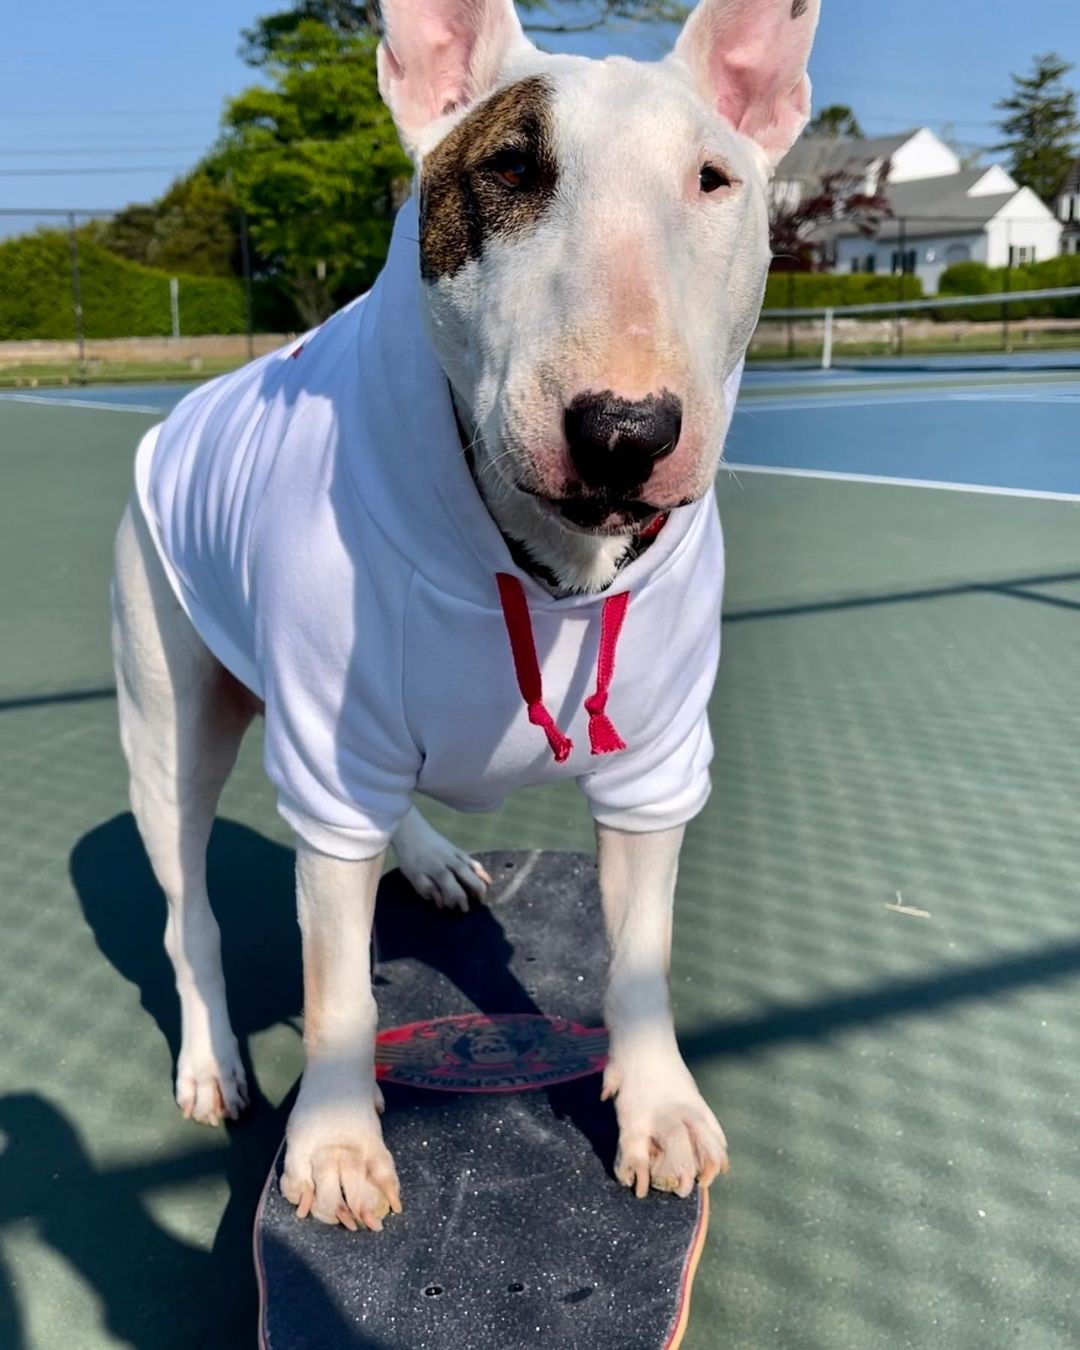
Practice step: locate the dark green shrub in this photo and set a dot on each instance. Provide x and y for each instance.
(816, 290)
(972, 278)
(119, 298)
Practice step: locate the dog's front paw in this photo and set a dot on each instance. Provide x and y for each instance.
(668, 1136)
(435, 868)
(210, 1083)
(337, 1167)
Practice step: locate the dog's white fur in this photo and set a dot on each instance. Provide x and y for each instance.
(632, 281)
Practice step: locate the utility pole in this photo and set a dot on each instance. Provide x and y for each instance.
(76, 295)
(245, 261)
(1007, 287)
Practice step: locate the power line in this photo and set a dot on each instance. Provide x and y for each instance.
(64, 211)
(81, 173)
(34, 153)
(82, 113)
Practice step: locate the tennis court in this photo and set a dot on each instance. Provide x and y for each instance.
(896, 722)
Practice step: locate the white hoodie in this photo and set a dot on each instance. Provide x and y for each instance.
(320, 526)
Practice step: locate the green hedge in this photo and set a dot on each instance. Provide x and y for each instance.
(119, 298)
(975, 278)
(815, 290)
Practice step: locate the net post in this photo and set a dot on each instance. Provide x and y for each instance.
(76, 295)
(174, 306)
(826, 349)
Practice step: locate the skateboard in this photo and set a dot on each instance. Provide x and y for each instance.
(515, 1232)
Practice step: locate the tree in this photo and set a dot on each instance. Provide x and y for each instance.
(193, 228)
(351, 17)
(795, 228)
(314, 161)
(1040, 125)
(836, 119)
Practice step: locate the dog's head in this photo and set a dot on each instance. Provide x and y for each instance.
(593, 239)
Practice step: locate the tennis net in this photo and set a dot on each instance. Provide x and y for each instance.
(1042, 323)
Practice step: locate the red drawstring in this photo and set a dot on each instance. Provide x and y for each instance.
(603, 738)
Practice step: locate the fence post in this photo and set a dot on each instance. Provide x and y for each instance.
(1008, 286)
(76, 295)
(900, 287)
(245, 260)
(174, 305)
(826, 351)
(790, 321)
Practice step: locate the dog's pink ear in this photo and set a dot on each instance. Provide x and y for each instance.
(749, 58)
(438, 55)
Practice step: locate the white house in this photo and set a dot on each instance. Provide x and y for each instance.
(941, 212)
(1067, 210)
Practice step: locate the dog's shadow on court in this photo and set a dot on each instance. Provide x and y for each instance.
(147, 1278)
(251, 881)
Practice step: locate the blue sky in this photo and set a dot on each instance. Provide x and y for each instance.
(133, 89)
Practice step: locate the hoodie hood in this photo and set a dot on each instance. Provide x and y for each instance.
(407, 416)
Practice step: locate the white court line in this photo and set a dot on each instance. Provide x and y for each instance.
(833, 476)
(838, 402)
(1017, 398)
(829, 403)
(81, 403)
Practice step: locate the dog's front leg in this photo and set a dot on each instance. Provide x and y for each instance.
(668, 1136)
(336, 1165)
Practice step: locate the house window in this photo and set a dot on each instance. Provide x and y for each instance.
(956, 253)
(1019, 254)
(904, 260)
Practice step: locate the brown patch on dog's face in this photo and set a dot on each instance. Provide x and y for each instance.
(492, 176)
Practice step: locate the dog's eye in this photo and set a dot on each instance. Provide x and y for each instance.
(512, 167)
(710, 178)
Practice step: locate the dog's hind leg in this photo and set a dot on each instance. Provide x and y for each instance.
(434, 868)
(182, 718)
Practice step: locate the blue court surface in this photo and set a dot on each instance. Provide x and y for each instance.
(1000, 431)
(1001, 423)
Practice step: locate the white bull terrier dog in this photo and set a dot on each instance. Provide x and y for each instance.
(462, 538)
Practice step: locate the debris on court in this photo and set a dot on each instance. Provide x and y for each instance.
(900, 908)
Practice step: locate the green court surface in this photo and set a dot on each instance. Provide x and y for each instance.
(897, 713)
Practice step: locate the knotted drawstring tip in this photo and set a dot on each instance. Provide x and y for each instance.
(603, 738)
(561, 744)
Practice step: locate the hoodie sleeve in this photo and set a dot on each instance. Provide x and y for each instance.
(656, 788)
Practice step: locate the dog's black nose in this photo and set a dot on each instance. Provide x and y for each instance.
(614, 442)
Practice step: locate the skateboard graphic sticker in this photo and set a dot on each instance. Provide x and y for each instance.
(471, 1052)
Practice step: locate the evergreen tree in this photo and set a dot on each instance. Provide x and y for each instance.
(1040, 126)
(836, 119)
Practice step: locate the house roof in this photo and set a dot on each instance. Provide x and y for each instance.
(812, 156)
(936, 206)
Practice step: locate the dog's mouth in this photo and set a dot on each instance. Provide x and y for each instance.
(599, 513)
